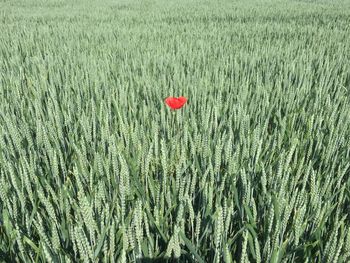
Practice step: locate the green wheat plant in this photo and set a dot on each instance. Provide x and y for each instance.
(95, 168)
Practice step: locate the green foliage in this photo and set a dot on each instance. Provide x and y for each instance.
(95, 168)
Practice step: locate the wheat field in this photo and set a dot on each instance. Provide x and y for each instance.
(94, 167)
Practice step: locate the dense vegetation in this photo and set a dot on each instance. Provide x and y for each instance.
(95, 168)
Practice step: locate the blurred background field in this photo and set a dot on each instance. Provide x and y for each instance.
(95, 168)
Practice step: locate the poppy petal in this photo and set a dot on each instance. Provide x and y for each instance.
(175, 103)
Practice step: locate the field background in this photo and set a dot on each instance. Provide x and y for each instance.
(95, 168)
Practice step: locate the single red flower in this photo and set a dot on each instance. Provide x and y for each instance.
(175, 103)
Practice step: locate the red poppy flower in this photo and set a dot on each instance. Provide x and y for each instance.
(175, 103)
